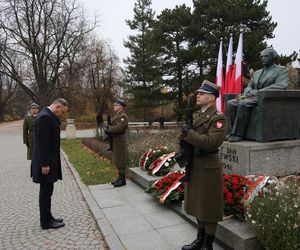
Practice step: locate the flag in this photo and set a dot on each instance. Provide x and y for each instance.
(235, 85)
(229, 66)
(220, 79)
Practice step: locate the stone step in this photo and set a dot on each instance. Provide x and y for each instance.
(231, 234)
(142, 178)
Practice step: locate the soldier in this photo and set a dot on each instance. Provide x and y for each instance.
(118, 130)
(204, 192)
(270, 77)
(28, 129)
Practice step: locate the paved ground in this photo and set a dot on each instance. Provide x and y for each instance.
(140, 222)
(19, 215)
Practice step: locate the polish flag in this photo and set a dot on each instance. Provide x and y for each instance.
(229, 66)
(220, 79)
(237, 74)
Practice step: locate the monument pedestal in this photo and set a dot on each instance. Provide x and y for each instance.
(70, 129)
(278, 158)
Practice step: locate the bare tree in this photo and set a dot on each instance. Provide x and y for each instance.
(7, 91)
(103, 75)
(44, 35)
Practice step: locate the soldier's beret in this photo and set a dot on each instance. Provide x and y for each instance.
(120, 102)
(209, 87)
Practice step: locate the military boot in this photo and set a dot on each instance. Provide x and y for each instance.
(116, 180)
(121, 182)
(208, 242)
(197, 243)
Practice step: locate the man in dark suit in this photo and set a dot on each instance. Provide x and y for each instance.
(46, 164)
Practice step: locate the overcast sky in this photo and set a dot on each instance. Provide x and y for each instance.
(113, 13)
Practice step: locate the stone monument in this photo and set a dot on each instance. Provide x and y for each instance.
(70, 129)
(268, 114)
(238, 110)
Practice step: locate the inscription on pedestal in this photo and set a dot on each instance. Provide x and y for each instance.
(229, 157)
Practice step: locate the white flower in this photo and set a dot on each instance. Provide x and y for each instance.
(253, 222)
(167, 164)
(169, 159)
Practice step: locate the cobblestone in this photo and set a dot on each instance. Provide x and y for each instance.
(19, 212)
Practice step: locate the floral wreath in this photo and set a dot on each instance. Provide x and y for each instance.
(162, 165)
(151, 155)
(168, 188)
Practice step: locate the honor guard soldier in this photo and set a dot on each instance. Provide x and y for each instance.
(28, 129)
(118, 130)
(204, 191)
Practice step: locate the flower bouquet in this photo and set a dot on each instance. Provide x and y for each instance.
(235, 187)
(168, 188)
(151, 155)
(162, 165)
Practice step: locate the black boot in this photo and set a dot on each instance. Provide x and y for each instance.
(121, 182)
(197, 243)
(116, 180)
(208, 242)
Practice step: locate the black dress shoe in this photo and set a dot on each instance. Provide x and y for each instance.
(58, 219)
(120, 183)
(53, 224)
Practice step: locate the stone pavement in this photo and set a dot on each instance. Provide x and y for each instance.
(19, 214)
(139, 221)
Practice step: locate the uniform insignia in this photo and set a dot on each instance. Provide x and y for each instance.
(219, 125)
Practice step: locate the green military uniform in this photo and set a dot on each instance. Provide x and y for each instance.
(204, 192)
(28, 134)
(118, 129)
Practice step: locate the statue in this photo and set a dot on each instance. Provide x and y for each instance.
(270, 77)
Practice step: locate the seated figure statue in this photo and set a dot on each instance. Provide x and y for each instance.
(270, 77)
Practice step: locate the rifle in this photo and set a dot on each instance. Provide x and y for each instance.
(185, 157)
(109, 138)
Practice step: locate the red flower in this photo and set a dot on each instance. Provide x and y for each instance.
(230, 202)
(229, 195)
(225, 190)
(234, 181)
(226, 176)
(237, 196)
(179, 189)
(241, 192)
(249, 183)
(235, 187)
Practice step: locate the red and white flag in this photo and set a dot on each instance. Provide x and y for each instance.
(237, 74)
(229, 66)
(220, 79)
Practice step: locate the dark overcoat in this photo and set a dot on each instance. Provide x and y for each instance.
(204, 192)
(118, 129)
(46, 147)
(28, 134)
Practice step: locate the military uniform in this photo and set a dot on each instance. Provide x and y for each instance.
(28, 134)
(118, 129)
(204, 192)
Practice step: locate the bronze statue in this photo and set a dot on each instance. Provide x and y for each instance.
(270, 77)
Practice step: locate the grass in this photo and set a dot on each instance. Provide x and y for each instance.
(91, 169)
